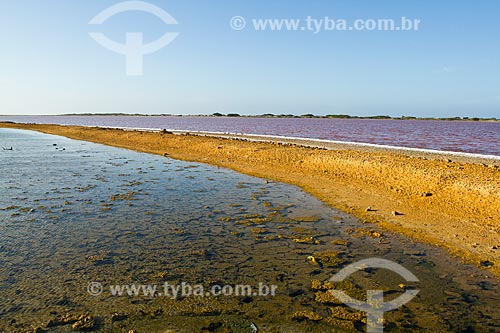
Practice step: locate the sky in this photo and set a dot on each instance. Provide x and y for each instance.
(49, 64)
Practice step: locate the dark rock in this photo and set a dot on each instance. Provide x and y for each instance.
(118, 316)
(486, 263)
(212, 327)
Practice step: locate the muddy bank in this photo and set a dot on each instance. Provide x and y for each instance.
(455, 205)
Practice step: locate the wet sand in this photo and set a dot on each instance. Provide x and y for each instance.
(449, 201)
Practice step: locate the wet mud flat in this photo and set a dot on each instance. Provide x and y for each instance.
(73, 212)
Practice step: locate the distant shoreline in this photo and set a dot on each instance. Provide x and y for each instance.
(278, 116)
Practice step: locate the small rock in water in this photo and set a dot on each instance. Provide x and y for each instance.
(311, 259)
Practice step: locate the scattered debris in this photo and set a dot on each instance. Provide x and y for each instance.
(306, 315)
(84, 323)
(328, 257)
(307, 240)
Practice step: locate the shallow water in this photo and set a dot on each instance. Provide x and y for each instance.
(74, 212)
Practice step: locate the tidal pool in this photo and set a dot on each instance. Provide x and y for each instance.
(73, 213)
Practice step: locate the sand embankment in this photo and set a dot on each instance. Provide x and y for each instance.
(449, 201)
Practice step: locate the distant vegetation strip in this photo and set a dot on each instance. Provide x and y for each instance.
(270, 115)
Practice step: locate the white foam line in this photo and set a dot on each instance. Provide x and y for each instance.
(324, 141)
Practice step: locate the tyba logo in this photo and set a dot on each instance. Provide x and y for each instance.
(134, 48)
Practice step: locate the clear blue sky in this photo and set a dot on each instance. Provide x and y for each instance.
(450, 67)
